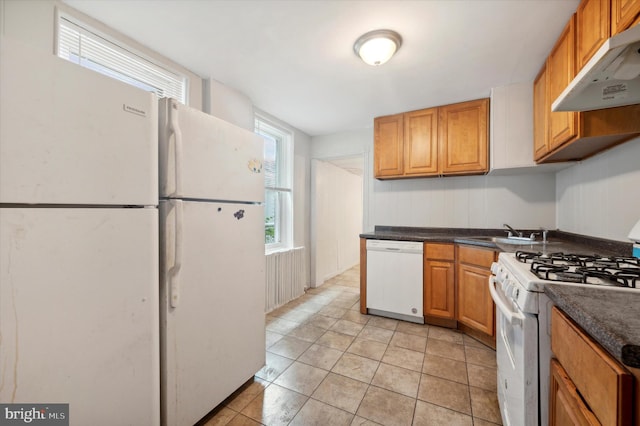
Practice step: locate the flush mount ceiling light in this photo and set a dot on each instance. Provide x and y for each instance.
(378, 46)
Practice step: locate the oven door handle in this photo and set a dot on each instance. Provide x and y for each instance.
(513, 317)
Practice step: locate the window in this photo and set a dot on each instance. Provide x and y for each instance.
(84, 46)
(278, 184)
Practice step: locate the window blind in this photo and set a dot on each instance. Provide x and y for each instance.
(86, 48)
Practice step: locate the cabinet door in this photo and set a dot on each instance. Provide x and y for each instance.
(541, 109)
(475, 306)
(388, 146)
(566, 406)
(421, 142)
(592, 29)
(464, 136)
(563, 126)
(624, 14)
(605, 385)
(439, 298)
(363, 276)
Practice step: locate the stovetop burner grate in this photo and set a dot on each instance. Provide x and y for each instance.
(586, 269)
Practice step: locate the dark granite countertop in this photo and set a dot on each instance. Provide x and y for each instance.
(558, 241)
(610, 317)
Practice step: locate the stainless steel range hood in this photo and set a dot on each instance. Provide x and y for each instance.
(610, 79)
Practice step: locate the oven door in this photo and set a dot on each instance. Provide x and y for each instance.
(517, 358)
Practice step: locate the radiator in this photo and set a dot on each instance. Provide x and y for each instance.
(285, 274)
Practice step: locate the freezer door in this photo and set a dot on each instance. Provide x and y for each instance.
(204, 157)
(79, 312)
(212, 304)
(72, 136)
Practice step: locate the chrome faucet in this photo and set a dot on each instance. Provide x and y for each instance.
(544, 234)
(513, 232)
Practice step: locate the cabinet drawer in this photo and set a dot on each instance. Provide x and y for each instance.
(603, 383)
(566, 407)
(476, 256)
(438, 251)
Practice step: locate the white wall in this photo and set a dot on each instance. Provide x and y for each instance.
(601, 196)
(329, 147)
(228, 104)
(336, 220)
(344, 144)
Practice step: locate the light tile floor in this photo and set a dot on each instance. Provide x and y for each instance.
(327, 364)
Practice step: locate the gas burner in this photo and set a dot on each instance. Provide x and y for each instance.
(584, 269)
(527, 256)
(545, 270)
(633, 262)
(578, 259)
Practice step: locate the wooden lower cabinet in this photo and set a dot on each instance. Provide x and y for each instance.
(566, 407)
(363, 276)
(588, 386)
(475, 307)
(439, 281)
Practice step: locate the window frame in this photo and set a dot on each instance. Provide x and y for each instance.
(108, 43)
(284, 188)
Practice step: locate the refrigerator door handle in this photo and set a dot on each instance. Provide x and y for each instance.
(177, 157)
(174, 282)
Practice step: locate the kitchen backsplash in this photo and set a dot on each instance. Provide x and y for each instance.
(524, 201)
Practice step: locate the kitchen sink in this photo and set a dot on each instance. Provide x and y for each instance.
(515, 241)
(507, 240)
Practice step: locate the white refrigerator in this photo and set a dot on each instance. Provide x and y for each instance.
(212, 282)
(79, 246)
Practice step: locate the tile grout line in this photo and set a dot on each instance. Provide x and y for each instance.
(357, 336)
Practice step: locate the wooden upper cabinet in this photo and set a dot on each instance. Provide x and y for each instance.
(421, 142)
(388, 146)
(413, 144)
(624, 14)
(572, 135)
(563, 126)
(540, 108)
(464, 137)
(593, 22)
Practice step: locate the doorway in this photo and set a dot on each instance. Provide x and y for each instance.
(336, 216)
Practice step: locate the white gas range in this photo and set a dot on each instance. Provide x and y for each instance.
(523, 320)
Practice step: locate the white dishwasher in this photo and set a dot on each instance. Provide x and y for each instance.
(394, 279)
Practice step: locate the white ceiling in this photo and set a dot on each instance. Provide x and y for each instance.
(295, 58)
